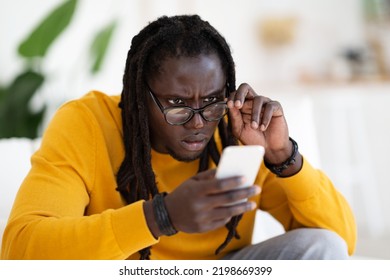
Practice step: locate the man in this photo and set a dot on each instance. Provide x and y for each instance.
(134, 177)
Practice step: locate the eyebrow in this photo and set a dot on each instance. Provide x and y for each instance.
(218, 91)
(215, 92)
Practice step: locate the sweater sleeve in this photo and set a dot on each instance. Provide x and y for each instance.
(308, 199)
(50, 218)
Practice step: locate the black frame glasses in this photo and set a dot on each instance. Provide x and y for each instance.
(179, 115)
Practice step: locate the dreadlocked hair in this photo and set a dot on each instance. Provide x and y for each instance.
(177, 36)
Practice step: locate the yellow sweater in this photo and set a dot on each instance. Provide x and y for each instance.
(68, 208)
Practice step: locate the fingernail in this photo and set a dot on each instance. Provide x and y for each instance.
(253, 205)
(230, 104)
(254, 125)
(237, 103)
(262, 127)
(257, 190)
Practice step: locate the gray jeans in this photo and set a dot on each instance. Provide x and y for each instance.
(298, 244)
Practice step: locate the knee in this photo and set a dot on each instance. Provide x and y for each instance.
(322, 244)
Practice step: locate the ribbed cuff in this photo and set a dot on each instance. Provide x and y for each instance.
(302, 185)
(130, 228)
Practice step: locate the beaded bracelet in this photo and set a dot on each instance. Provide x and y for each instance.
(278, 169)
(161, 215)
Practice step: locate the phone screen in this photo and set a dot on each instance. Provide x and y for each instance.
(241, 161)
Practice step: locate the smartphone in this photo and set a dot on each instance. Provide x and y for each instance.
(241, 161)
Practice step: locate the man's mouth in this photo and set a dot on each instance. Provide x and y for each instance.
(194, 143)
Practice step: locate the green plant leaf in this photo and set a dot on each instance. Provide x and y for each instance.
(29, 128)
(3, 94)
(100, 45)
(41, 38)
(23, 88)
(19, 121)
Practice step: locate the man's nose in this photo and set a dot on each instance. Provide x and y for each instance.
(196, 121)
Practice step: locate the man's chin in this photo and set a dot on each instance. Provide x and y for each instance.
(185, 157)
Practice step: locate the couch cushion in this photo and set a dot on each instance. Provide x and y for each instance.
(14, 166)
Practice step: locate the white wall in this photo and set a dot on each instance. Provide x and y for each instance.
(323, 27)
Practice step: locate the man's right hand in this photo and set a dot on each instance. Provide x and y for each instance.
(199, 204)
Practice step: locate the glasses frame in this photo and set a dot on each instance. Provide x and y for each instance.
(192, 110)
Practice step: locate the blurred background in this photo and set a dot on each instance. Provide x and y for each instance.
(326, 61)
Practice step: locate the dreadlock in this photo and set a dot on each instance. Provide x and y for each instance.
(175, 36)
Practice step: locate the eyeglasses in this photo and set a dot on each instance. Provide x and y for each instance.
(179, 115)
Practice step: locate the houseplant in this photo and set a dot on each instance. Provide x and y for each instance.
(17, 117)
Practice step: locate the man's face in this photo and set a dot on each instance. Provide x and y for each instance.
(190, 81)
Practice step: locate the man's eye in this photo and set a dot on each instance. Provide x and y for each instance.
(210, 99)
(176, 101)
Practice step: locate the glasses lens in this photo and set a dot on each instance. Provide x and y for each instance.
(178, 115)
(181, 115)
(215, 111)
